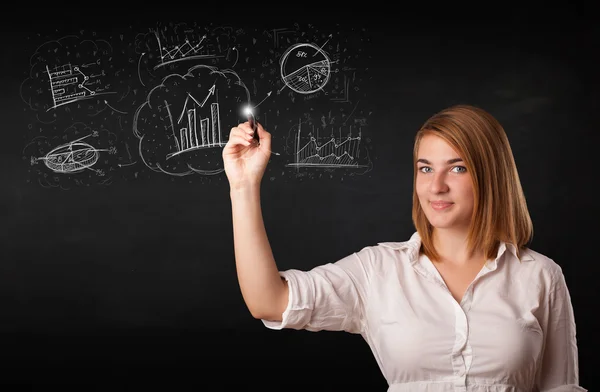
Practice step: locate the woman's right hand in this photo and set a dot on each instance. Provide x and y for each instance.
(244, 159)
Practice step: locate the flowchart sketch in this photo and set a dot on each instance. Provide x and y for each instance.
(185, 121)
(305, 68)
(65, 72)
(80, 155)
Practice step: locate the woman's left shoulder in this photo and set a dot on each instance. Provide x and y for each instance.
(540, 264)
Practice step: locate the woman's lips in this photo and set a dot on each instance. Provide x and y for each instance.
(440, 205)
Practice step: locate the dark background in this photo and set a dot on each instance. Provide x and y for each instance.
(122, 277)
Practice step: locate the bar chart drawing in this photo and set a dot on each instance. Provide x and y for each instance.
(334, 152)
(199, 133)
(68, 85)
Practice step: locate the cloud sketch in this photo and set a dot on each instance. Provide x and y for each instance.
(68, 74)
(185, 121)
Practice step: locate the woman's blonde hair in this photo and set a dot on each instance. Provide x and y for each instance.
(500, 210)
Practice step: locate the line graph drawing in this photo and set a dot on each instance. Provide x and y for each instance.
(339, 153)
(305, 68)
(209, 129)
(73, 157)
(185, 51)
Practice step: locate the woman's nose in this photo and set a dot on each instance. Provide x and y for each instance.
(438, 183)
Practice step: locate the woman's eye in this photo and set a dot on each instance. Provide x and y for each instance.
(456, 169)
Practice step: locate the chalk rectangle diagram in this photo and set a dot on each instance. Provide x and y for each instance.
(216, 123)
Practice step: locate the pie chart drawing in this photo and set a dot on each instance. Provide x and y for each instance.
(305, 68)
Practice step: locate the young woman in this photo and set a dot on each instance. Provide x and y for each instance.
(463, 305)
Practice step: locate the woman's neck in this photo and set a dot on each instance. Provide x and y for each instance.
(453, 248)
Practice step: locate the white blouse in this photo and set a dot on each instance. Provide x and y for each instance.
(513, 331)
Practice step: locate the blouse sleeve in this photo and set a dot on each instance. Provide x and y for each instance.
(559, 370)
(329, 297)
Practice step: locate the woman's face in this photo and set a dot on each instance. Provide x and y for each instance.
(443, 185)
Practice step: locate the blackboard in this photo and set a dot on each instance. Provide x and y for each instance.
(118, 268)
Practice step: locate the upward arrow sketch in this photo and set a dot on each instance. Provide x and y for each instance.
(211, 91)
(268, 95)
